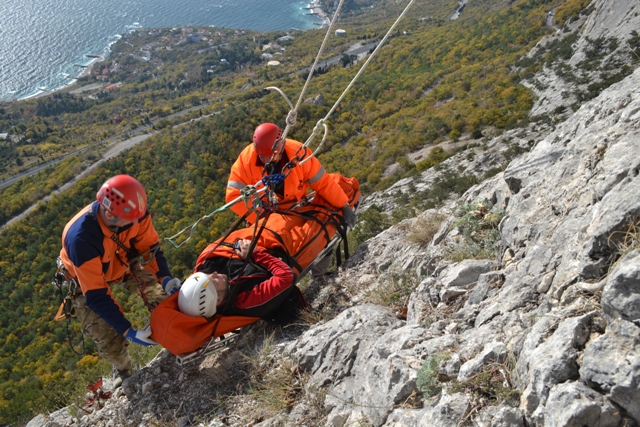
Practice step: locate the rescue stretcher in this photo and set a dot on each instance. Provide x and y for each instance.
(218, 343)
(190, 338)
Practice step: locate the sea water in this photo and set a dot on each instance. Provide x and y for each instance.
(43, 42)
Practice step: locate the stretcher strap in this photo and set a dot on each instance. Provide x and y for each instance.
(310, 215)
(235, 290)
(291, 261)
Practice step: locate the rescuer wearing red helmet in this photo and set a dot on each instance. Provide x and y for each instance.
(268, 146)
(113, 242)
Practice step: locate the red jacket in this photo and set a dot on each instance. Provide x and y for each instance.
(259, 288)
(247, 170)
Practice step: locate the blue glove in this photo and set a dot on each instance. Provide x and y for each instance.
(171, 285)
(141, 337)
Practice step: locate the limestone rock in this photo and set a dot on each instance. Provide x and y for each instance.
(573, 404)
(494, 352)
(611, 364)
(621, 296)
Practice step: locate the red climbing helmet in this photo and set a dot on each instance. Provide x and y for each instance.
(264, 137)
(124, 197)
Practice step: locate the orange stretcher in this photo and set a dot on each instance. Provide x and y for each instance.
(306, 234)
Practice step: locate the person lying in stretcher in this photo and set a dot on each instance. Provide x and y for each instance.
(232, 286)
(261, 283)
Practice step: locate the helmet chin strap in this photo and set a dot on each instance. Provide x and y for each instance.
(111, 223)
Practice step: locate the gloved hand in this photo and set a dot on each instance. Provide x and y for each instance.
(171, 285)
(141, 337)
(349, 215)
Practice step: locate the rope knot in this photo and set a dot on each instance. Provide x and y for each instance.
(291, 118)
(318, 127)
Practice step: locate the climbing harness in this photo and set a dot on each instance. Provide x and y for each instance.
(63, 281)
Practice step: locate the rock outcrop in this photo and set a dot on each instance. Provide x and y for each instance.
(591, 49)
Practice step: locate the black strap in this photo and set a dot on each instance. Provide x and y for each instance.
(235, 290)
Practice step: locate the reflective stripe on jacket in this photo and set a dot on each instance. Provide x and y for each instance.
(247, 170)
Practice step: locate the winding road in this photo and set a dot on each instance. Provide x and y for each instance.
(116, 147)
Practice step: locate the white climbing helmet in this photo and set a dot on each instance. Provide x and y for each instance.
(198, 296)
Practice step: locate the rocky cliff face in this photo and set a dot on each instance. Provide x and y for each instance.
(585, 56)
(556, 318)
(521, 306)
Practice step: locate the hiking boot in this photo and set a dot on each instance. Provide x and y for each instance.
(122, 375)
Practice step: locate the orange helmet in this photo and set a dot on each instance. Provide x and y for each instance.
(124, 197)
(264, 138)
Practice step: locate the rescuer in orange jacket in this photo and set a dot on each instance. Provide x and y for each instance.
(101, 248)
(268, 147)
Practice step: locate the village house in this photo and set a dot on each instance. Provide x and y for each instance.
(272, 46)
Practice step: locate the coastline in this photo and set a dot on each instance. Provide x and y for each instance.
(86, 71)
(89, 67)
(316, 10)
(314, 7)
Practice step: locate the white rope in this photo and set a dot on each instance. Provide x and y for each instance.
(192, 227)
(321, 122)
(291, 117)
(386, 36)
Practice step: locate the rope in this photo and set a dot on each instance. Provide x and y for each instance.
(322, 122)
(247, 193)
(386, 36)
(291, 119)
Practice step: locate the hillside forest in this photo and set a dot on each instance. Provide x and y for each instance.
(435, 80)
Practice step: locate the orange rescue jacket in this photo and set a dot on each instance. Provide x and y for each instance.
(96, 260)
(247, 170)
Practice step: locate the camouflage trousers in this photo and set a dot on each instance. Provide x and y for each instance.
(110, 344)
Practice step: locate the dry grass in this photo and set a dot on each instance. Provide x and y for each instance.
(490, 387)
(423, 230)
(432, 313)
(478, 226)
(393, 291)
(625, 241)
(275, 385)
(313, 317)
